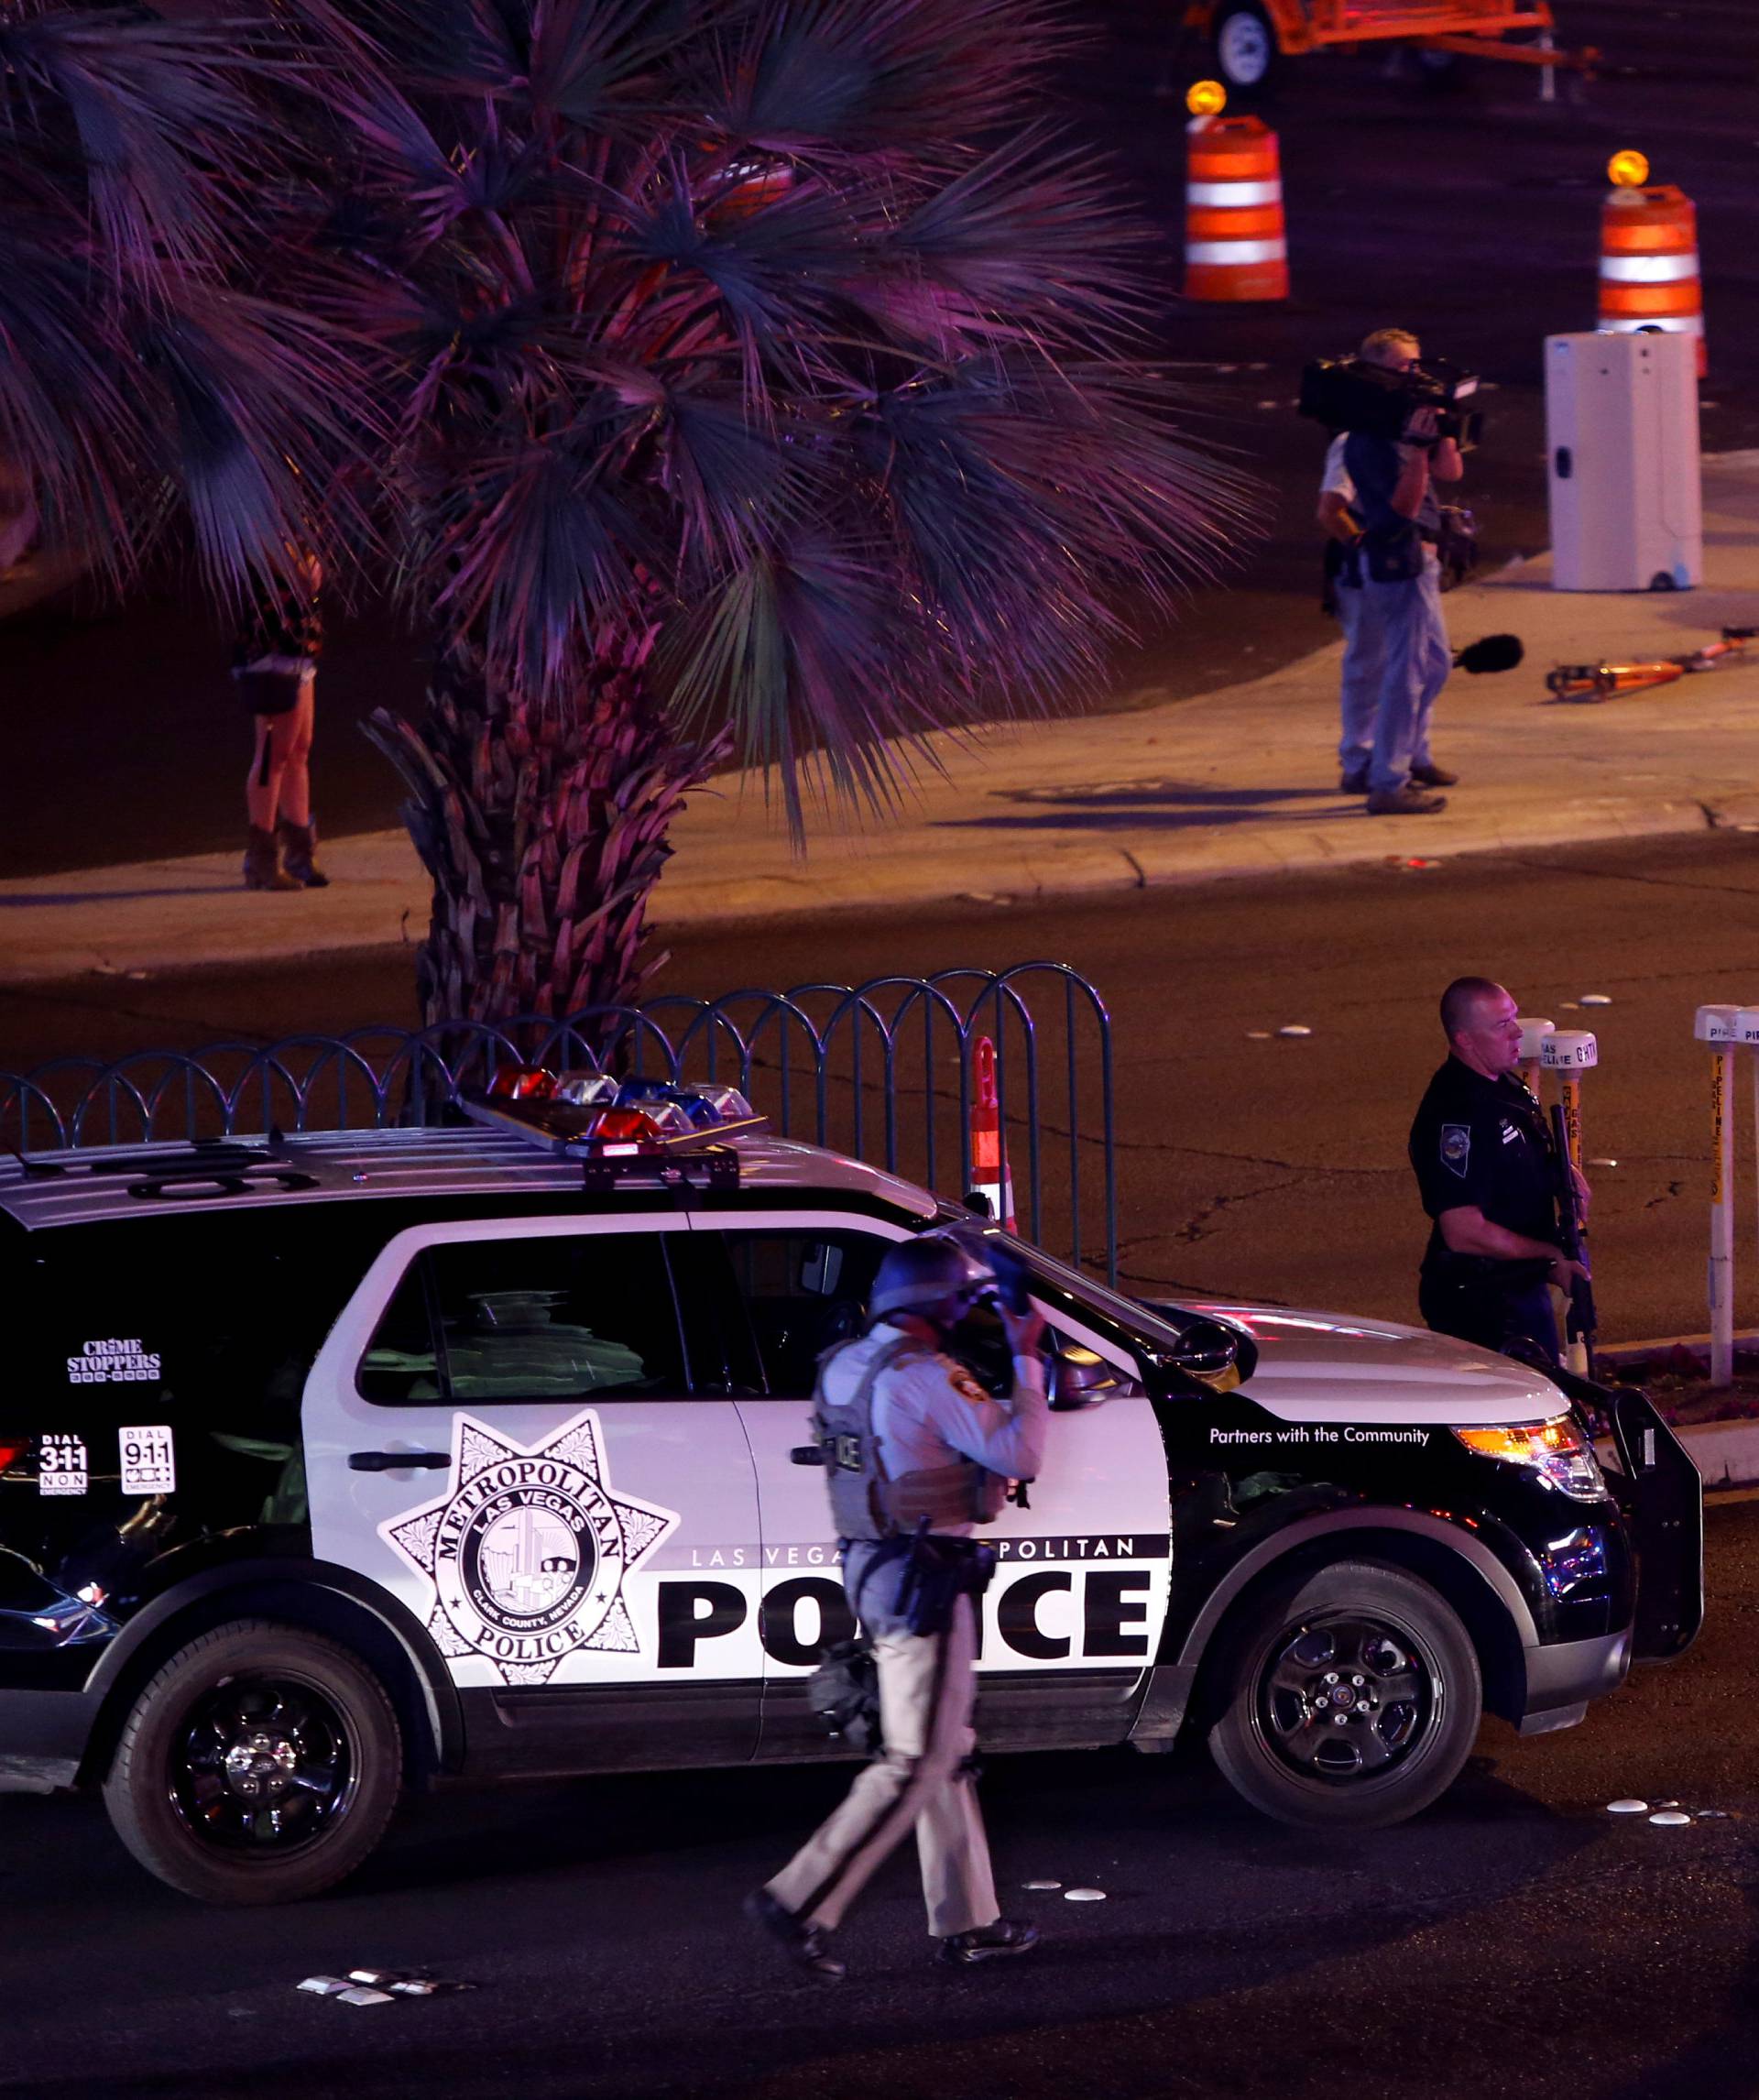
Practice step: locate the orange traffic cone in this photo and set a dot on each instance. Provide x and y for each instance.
(1235, 242)
(1649, 261)
(991, 1178)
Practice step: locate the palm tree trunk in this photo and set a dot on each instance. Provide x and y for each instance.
(545, 834)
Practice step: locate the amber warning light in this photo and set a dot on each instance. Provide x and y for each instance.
(1627, 170)
(1206, 98)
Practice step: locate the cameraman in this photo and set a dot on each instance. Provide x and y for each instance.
(1396, 622)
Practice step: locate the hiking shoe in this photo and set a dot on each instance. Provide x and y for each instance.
(1434, 777)
(804, 1944)
(1006, 1936)
(1405, 801)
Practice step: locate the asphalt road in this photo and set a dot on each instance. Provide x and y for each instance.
(1469, 214)
(1269, 1168)
(1515, 1940)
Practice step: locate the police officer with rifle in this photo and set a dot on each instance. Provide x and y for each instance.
(1491, 1174)
(917, 1455)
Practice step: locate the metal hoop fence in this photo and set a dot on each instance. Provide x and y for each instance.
(881, 1070)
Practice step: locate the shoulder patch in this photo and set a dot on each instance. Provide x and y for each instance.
(967, 1386)
(1455, 1148)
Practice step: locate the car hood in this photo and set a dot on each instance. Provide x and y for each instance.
(1339, 1367)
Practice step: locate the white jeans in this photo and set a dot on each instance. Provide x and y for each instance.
(927, 1689)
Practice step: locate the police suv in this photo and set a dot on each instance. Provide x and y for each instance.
(332, 1465)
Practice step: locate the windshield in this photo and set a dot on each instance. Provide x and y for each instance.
(1142, 1329)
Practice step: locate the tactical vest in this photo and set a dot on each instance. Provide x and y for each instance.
(866, 1503)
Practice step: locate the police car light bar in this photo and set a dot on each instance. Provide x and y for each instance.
(647, 1130)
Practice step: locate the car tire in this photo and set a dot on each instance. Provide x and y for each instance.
(1379, 1647)
(260, 1765)
(1246, 56)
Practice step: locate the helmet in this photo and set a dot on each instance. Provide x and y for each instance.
(917, 1273)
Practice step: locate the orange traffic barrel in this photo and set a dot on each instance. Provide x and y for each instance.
(1649, 264)
(1235, 243)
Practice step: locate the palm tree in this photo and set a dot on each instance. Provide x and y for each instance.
(148, 391)
(762, 377)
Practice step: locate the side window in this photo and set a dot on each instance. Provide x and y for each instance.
(802, 1291)
(551, 1318)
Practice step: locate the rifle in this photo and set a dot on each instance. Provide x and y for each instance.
(1580, 1322)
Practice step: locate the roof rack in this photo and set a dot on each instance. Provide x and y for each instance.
(205, 1156)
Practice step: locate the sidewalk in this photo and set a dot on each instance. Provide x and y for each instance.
(1238, 782)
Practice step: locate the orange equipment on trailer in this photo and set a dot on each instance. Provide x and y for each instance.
(1250, 36)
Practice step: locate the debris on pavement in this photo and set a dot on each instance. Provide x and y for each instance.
(1083, 1896)
(380, 1986)
(1295, 1028)
(1628, 1805)
(1603, 1163)
(1670, 1816)
(1594, 999)
(1040, 1886)
(1258, 1035)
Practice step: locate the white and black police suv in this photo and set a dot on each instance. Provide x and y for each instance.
(332, 1465)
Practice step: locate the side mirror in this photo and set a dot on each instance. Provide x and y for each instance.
(1079, 1378)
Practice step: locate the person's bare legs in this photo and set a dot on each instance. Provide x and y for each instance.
(296, 762)
(265, 786)
(298, 834)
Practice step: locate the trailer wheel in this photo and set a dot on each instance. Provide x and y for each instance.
(1246, 47)
(1354, 1700)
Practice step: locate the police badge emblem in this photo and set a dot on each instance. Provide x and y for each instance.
(526, 1552)
(1456, 1147)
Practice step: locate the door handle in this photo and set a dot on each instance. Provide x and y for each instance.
(389, 1461)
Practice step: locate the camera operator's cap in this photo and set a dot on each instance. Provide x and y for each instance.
(1206, 98)
(922, 1272)
(1627, 170)
(1715, 1024)
(1569, 1050)
(1533, 1034)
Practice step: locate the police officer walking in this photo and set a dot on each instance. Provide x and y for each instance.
(917, 1453)
(1487, 1173)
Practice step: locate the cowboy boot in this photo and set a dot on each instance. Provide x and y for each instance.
(298, 843)
(263, 868)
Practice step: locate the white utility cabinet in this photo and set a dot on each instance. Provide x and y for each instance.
(1623, 450)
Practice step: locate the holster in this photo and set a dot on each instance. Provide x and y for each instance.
(937, 1573)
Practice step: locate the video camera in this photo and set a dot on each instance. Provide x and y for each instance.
(1352, 394)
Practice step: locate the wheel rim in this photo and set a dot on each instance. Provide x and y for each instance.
(1347, 1696)
(263, 1767)
(1243, 48)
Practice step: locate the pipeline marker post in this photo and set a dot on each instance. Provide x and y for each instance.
(991, 1178)
(1534, 1032)
(1746, 1031)
(1570, 1052)
(1718, 1026)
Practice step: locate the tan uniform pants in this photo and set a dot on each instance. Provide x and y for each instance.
(927, 1687)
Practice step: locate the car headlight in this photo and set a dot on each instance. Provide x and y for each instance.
(1556, 1449)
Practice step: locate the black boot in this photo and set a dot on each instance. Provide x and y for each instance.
(804, 1944)
(263, 868)
(298, 843)
(984, 1942)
